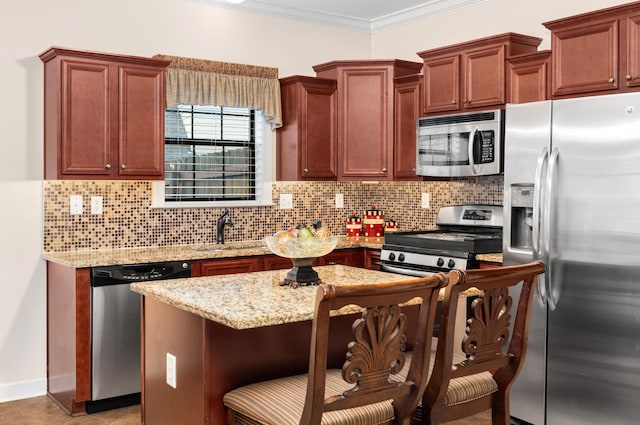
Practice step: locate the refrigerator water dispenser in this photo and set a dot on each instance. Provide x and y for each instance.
(522, 216)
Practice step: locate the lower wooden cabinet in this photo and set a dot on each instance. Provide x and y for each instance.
(371, 259)
(218, 266)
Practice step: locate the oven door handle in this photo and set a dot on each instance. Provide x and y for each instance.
(402, 270)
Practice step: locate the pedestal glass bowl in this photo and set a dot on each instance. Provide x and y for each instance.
(302, 252)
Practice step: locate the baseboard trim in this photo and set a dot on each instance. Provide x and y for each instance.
(23, 389)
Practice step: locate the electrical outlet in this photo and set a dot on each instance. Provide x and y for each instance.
(171, 370)
(339, 200)
(286, 201)
(75, 204)
(96, 205)
(425, 200)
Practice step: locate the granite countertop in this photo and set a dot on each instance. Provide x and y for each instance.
(251, 300)
(112, 257)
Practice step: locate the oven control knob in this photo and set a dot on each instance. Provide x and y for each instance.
(401, 257)
(440, 262)
(451, 264)
(392, 256)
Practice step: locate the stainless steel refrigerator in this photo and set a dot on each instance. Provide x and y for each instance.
(572, 199)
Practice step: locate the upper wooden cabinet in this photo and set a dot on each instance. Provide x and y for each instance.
(104, 115)
(408, 108)
(471, 75)
(366, 115)
(306, 146)
(529, 77)
(596, 52)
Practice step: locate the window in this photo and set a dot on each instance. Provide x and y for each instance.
(215, 155)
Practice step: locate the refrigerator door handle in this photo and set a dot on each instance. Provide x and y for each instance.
(471, 145)
(538, 202)
(549, 230)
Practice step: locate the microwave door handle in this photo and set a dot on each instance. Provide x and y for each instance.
(471, 145)
(538, 205)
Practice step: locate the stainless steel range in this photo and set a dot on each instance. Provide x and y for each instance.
(463, 232)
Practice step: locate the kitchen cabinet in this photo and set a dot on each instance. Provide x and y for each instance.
(372, 259)
(218, 266)
(596, 52)
(69, 336)
(471, 75)
(104, 115)
(529, 77)
(407, 109)
(306, 147)
(345, 257)
(365, 120)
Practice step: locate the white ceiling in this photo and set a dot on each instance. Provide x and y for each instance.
(360, 15)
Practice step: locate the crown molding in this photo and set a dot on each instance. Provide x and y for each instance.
(392, 20)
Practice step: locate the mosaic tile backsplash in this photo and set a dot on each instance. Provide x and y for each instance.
(128, 221)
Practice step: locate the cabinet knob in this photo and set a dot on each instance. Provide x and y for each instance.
(453, 102)
(107, 167)
(466, 101)
(628, 77)
(306, 170)
(384, 170)
(123, 166)
(611, 79)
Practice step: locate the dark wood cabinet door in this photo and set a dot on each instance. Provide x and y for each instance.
(528, 77)
(372, 259)
(273, 262)
(585, 57)
(220, 266)
(442, 84)
(630, 46)
(84, 121)
(365, 124)
(307, 142)
(484, 77)
(141, 123)
(408, 107)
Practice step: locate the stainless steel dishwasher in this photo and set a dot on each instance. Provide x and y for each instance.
(115, 330)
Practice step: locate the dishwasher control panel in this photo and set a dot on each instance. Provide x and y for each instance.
(113, 275)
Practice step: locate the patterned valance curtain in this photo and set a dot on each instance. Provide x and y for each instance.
(204, 82)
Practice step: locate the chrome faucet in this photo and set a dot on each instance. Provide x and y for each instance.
(223, 220)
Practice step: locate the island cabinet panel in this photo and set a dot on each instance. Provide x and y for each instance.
(596, 52)
(168, 330)
(213, 359)
(104, 115)
(529, 77)
(68, 337)
(471, 75)
(366, 115)
(306, 147)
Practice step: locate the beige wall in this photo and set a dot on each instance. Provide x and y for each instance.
(176, 27)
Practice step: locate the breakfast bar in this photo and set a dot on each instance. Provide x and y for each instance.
(227, 331)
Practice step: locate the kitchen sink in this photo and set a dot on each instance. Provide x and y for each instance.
(231, 246)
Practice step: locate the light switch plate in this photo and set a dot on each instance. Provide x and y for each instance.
(75, 204)
(425, 200)
(339, 200)
(286, 201)
(96, 205)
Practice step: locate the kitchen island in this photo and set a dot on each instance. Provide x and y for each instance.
(228, 331)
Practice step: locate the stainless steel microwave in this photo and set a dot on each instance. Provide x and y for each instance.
(466, 144)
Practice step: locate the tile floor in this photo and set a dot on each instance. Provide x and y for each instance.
(42, 411)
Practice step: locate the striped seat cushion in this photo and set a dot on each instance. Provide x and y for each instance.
(280, 402)
(461, 390)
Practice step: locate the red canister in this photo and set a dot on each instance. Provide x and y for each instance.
(354, 225)
(390, 225)
(373, 222)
